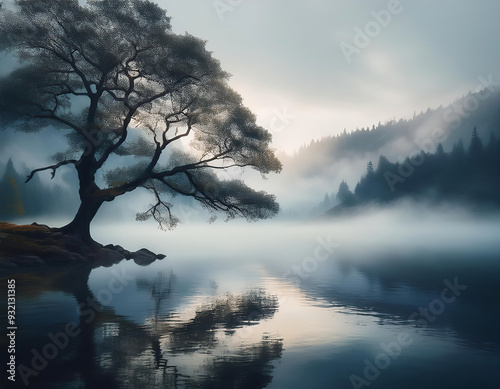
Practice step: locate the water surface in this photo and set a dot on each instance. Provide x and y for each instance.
(338, 305)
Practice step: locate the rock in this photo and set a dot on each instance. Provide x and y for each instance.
(28, 231)
(33, 245)
(119, 249)
(72, 242)
(107, 256)
(143, 257)
(40, 225)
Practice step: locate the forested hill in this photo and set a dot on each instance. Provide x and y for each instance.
(18, 199)
(469, 175)
(396, 138)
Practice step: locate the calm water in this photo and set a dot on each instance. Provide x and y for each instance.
(346, 305)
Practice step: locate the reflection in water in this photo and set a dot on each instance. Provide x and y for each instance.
(232, 319)
(392, 288)
(112, 351)
(228, 312)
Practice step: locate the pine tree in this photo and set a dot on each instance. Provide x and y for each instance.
(492, 143)
(12, 199)
(383, 164)
(458, 151)
(344, 195)
(476, 146)
(326, 200)
(440, 150)
(369, 168)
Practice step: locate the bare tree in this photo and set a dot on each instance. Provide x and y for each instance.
(114, 79)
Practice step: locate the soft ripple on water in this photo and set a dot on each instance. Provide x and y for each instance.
(233, 319)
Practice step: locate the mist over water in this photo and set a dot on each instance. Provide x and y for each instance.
(404, 227)
(283, 305)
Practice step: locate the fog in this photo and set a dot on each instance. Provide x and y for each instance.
(404, 228)
(312, 171)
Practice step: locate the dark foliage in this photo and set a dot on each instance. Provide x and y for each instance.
(120, 84)
(472, 176)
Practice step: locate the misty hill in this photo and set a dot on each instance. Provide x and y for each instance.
(321, 165)
(469, 176)
(397, 138)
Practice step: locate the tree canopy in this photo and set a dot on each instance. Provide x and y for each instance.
(116, 81)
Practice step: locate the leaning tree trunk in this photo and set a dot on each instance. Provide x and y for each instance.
(90, 202)
(80, 225)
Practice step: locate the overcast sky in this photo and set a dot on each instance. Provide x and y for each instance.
(287, 62)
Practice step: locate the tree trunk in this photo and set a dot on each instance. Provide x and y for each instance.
(80, 225)
(90, 203)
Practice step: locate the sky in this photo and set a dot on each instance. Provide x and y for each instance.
(309, 69)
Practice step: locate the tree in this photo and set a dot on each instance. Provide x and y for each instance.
(326, 200)
(490, 148)
(440, 150)
(344, 195)
(458, 152)
(383, 164)
(119, 83)
(10, 193)
(369, 168)
(476, 145)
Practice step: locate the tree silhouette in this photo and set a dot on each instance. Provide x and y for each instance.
(10, 194)
(440, 150)
(115, 80)
(369, 168)
(472, 178)
(344, 194)
(476, 146)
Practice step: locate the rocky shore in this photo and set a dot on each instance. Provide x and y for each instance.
(39, 245)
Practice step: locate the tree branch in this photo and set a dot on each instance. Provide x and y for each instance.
(60, 120)
(155, 211)
(53, 167)
(195, 165)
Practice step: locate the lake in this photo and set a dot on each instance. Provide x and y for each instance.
(376, 302)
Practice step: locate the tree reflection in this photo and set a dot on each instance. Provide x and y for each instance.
(114, 351)
(228, 312)
(198, 339)
(250, 368)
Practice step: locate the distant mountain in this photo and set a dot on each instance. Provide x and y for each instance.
(445, 125)
(321, 165)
